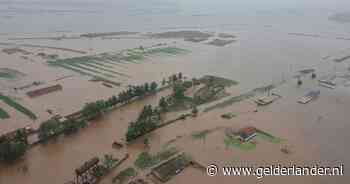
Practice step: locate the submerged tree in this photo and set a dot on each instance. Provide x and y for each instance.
(146, 122)
(71, 126)
(146, 86)
(194, 111)
(93, 110)
(180, 75)
(48, 129)
(163, 104)
(154, 86)
(11, 150)
(179, 91)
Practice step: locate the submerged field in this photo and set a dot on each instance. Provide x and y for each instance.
(248, 61)
(3, 114)
(110, 65)
(17, 106)
(8, 73)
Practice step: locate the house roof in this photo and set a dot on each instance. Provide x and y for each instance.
(247, 131)
(87, 165)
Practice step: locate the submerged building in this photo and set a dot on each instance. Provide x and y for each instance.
(247, 133)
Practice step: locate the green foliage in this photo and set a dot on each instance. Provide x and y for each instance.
(214, 80)
(146, 160)
(179, 91)
(234, 142)
(179, 75)
(96, 64)
(71, 126)
(230, 101)
(11, 150)
(138, 129)
(194, 110)
(4, 114)
(137, 91)
(20, 136)
(50, 128)
(147, 89)
(200, 135)
(17, 106)
(109, 161)
(93, 110)
(124, 175)
(163, 104)
(268, 137)
(187, 84)
(154, 86)
(147, 121)
(8, 73)
(99, 171)
(167, 50)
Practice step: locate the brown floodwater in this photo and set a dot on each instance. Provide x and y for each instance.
(55, 162)
(316, 132)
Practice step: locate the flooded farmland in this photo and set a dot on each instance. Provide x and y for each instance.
(94, 50)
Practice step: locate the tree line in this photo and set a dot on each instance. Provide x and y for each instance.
(149, 117)
(14, 147)
(53, 127)
(147, 120)
(93, 110)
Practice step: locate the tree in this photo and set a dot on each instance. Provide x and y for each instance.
(108, 161)
(114, 100)
(11, 150)
(194, 111)
(48, 128)
(180, 75)
(179, 92)
(187, 84)
(93, 110)
(71, 126)
(170, 80)
(146, 142)
(144, 123)
(21, 136)
(146, 86)
(211, 81)
(139, 91)
(163, 82)
(122, 97)
(163, 104)
(174, 78)
(154, 86)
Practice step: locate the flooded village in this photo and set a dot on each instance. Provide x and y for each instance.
(159, 105)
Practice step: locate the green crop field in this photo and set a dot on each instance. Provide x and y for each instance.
(3, 114)
(107, 65)
(8, 73)
(18, 106)
(268, 137)
(234, 142)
